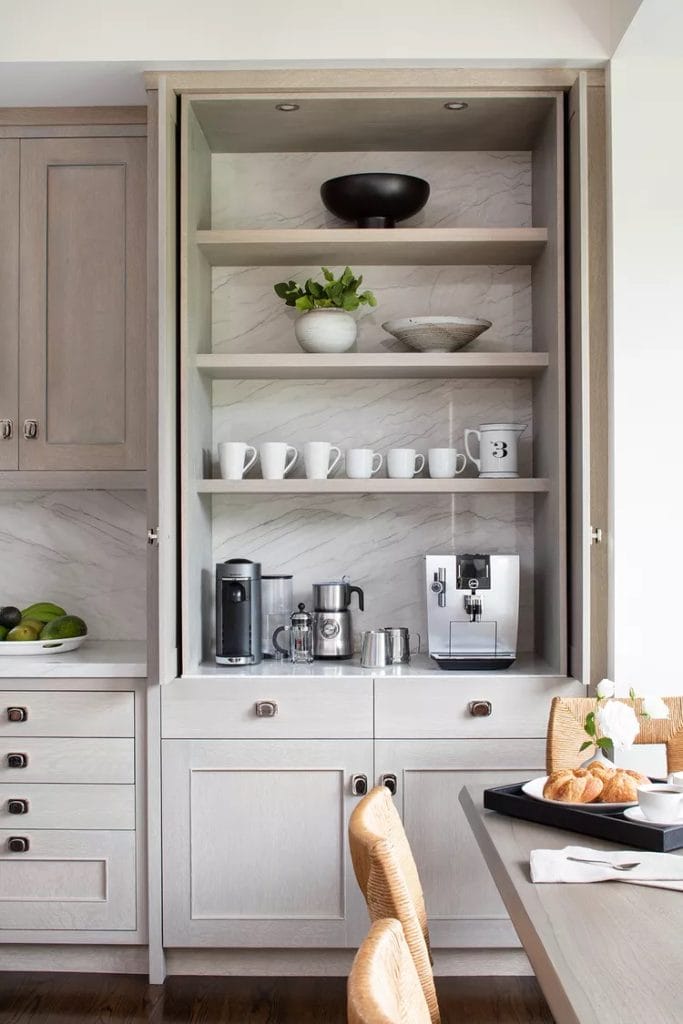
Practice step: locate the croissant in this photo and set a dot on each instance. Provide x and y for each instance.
(575, 786)
(601, 770)
(623, 788)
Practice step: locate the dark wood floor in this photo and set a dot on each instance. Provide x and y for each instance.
(33, 998)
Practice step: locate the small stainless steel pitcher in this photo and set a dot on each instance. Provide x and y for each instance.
(398, 645)
(374, 651)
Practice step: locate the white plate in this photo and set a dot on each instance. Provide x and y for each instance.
(635, 814)
(534, 788)
(18, 647)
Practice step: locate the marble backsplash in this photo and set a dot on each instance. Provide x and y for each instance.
(247, 316)
(85, 550)
(368, 413)
(379, 541)
(282, 190)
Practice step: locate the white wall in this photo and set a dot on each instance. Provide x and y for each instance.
(647, 206)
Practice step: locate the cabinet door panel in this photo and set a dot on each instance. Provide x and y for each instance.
(9, 302)
(463, 904)
(82, 304)
(255, 850)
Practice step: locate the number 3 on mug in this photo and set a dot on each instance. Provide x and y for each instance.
(497, 449)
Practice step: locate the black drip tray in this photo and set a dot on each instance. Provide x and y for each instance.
(473, 662)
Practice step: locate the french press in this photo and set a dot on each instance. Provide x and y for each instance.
(300, 650)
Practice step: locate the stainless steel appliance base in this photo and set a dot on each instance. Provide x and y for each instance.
(235, 661)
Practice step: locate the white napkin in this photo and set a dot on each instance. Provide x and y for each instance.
(660, 870)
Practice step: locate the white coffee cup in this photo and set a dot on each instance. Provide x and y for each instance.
(274, 464)
(443, 462)
(360, 463)
(232, 455)
(317, 459)
(404, 463)
(661, 802)
(498, 444)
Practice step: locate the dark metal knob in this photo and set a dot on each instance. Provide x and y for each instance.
(266, 708)
(17, 760)
(18, 844)
(480, 708)
(17, 806)
(359, 785)
(389, 780)
(30, 429)
(17, 714)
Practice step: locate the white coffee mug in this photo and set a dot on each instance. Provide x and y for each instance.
(404, 463)
(661, 802)
(274, 465)
(232, 455)
(497, 449)
(317, 459)
(443, 462)
(360, 463)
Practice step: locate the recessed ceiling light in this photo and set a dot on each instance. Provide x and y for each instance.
(287, 107)
(456, 105)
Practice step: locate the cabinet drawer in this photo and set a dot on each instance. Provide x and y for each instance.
(63, 806)
(68, 760)
(227, 709)
(68, 880)
(67, 713)
(438, 707)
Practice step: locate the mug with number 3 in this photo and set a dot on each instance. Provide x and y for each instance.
(498, 443)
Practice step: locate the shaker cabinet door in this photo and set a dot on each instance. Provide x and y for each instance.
(255, 847)
(463, 904)
(9, 302)
(82, 304)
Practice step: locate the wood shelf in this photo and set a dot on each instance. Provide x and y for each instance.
(383, 365)
(341, 485)
(373, 246)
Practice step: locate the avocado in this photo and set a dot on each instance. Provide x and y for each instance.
(3, 633)
(23, 632)
(34, 624)
(64, 628)
(10, 616)
(43, 611)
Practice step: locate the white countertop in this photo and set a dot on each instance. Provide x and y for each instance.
(111, 659)
(420, 666)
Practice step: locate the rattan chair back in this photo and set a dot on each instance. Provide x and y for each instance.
(383, 986)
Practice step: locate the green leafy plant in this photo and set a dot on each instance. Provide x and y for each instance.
(332, 293)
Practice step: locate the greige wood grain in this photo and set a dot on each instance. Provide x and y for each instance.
(602, 953)
(69, 806)
(9, 303)
(69, 760)
(68, 713)
(82, 303)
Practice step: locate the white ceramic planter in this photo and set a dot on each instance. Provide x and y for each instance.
(326, 330)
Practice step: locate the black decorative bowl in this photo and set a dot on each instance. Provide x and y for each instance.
(374, 200)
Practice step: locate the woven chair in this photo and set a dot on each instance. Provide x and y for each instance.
(388, 878)
(566, 732)
(383, 986)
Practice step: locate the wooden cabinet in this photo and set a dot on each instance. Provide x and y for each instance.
(82, 304)
(465, 910)
(9, 302)
(254, 843)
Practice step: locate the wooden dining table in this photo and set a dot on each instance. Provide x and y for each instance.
(603, 953)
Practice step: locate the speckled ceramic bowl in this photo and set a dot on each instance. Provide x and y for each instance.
(437, 333)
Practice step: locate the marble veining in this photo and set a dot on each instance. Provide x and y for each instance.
(381, 414)
(84, 550)
(379, 541)
(247, 316)
(282, 190)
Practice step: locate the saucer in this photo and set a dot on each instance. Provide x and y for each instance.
(635, 814)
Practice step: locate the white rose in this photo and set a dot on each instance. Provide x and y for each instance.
(654, 707)
(605, 688)
(619, 722)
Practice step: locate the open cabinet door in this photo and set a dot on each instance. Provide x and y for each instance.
(162, 628)
(588, 383)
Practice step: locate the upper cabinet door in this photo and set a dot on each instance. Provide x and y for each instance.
(588, 392)
(9, 302)
(82, 304)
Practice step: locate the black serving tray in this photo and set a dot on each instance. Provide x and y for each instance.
(615, 827)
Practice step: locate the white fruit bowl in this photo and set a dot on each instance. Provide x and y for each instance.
(437, 333)
(13, 648)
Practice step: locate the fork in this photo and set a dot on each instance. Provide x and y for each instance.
(607, 863)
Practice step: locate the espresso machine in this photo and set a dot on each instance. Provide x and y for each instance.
(238, 612)
(472, 610)
(332, 633)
